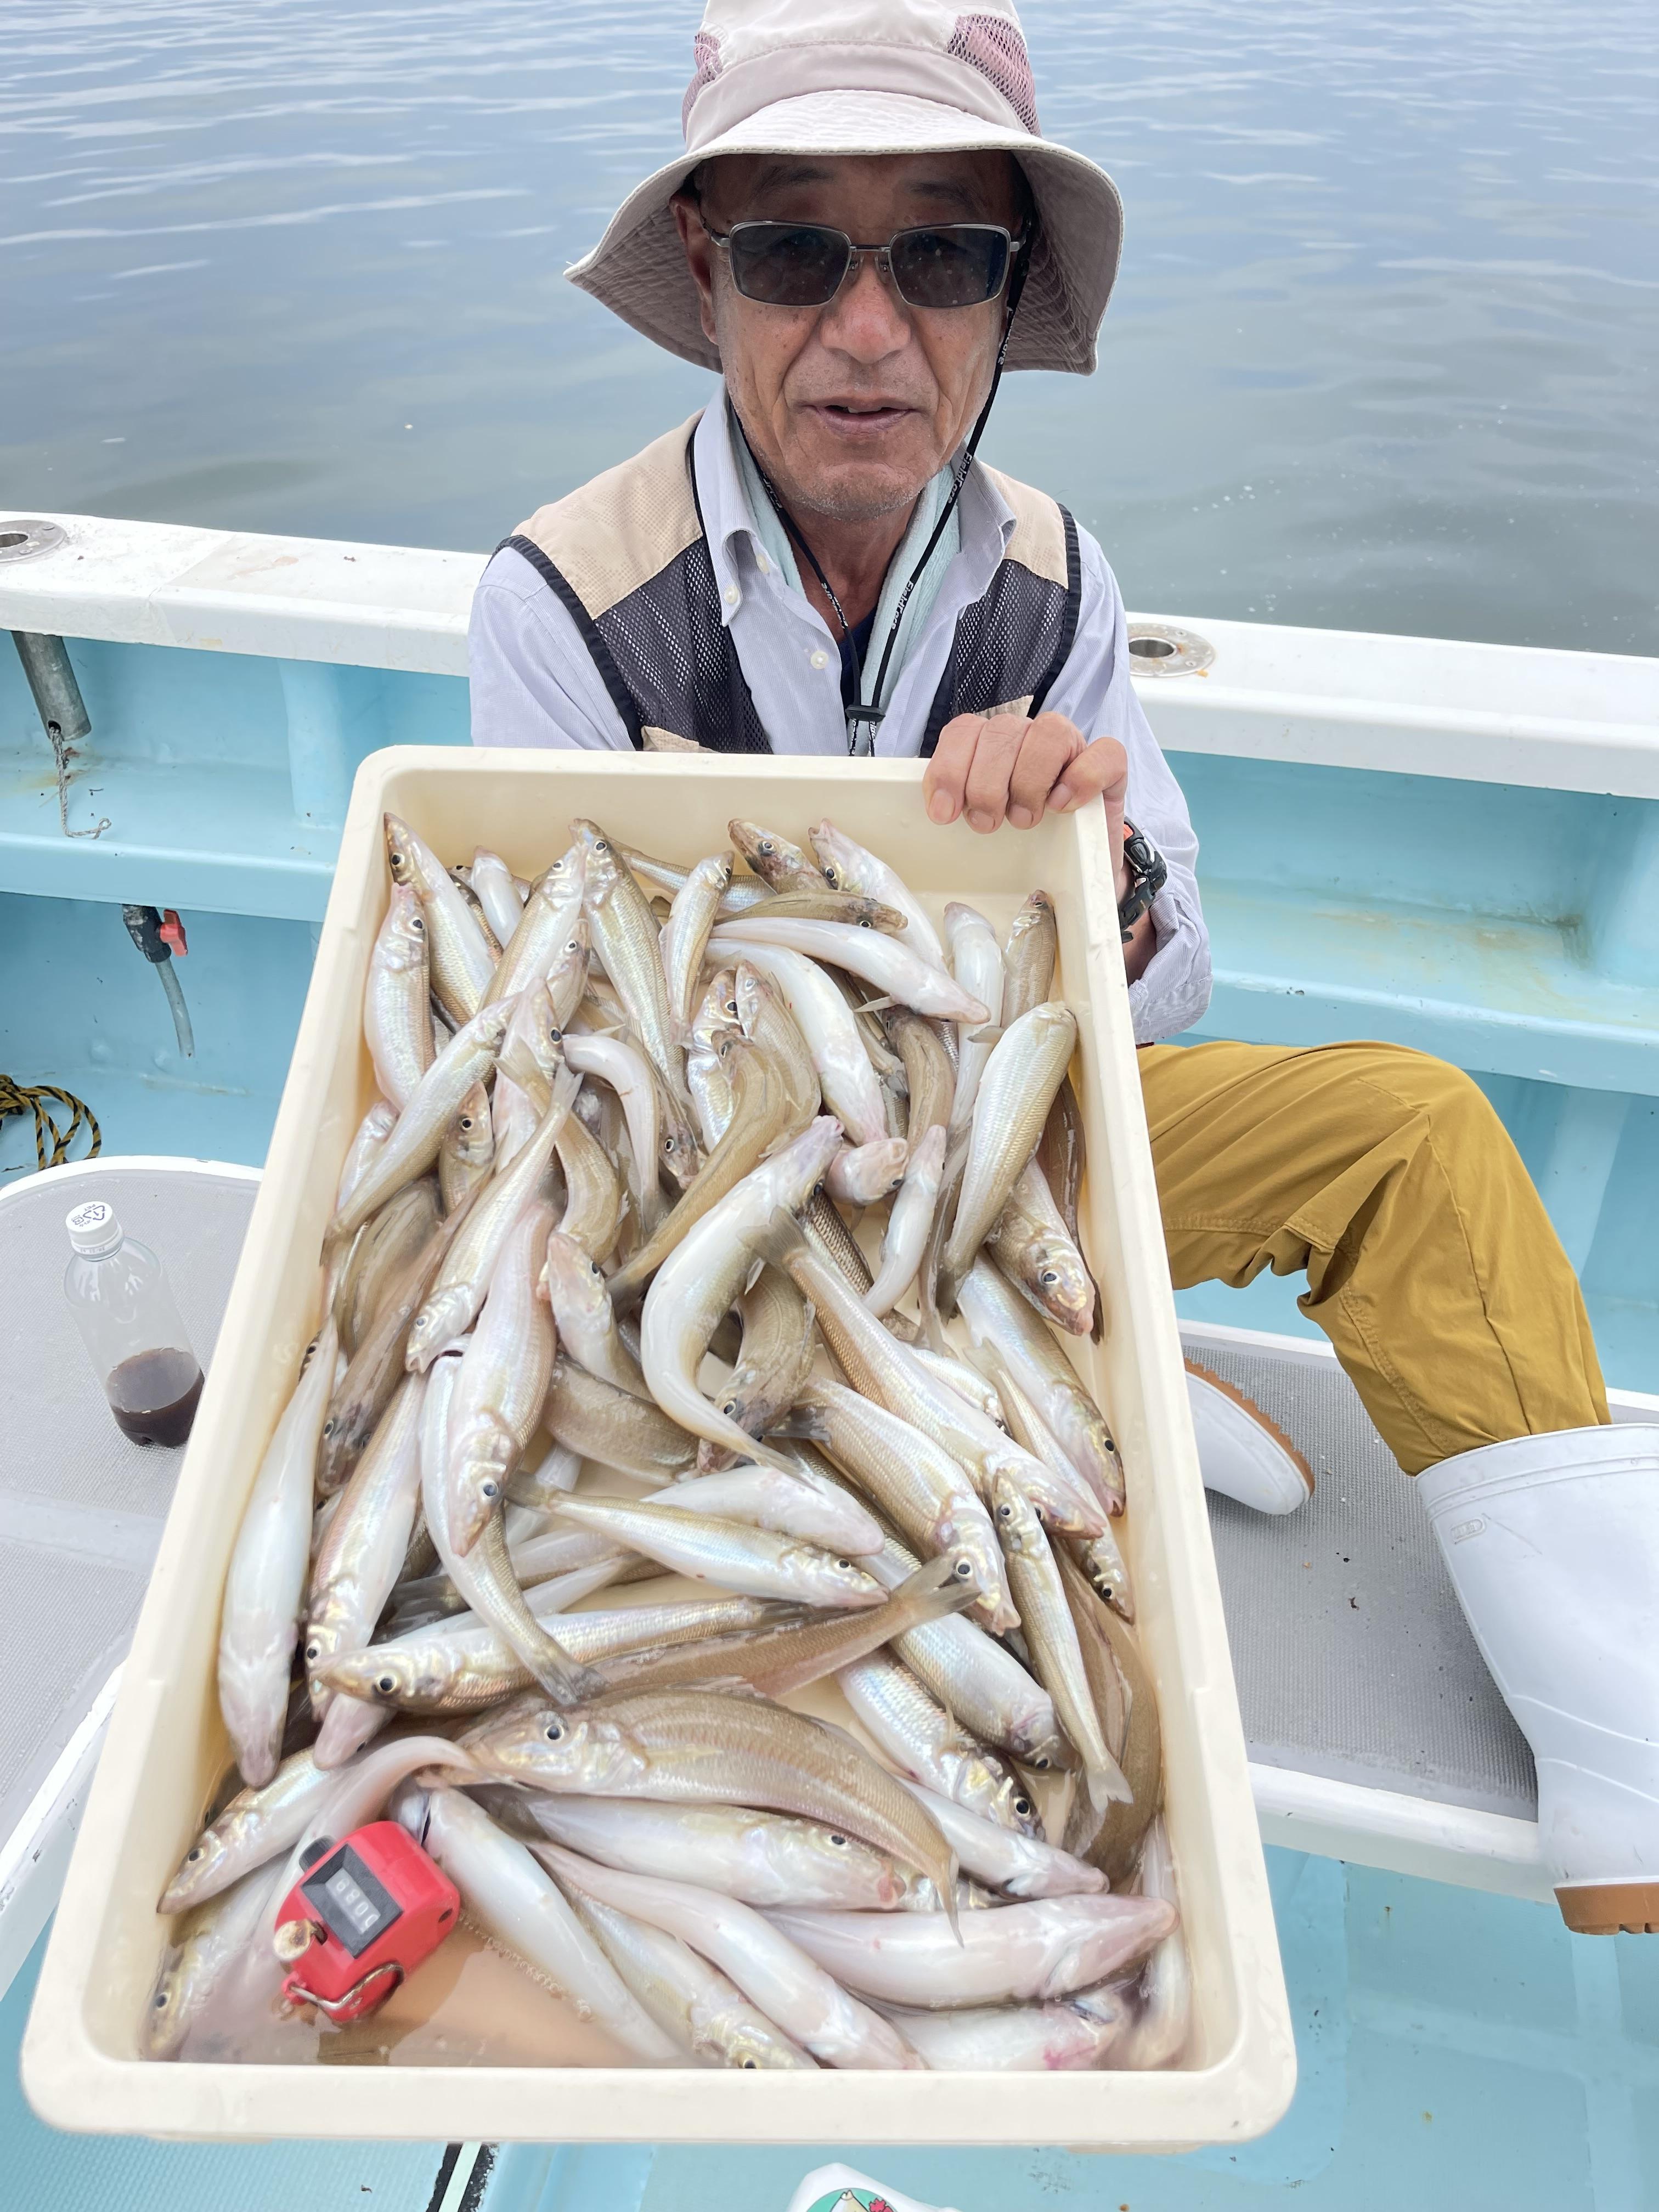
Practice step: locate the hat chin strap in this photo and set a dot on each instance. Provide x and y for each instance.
(871, 714)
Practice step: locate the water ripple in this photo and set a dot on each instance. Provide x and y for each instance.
(1378, 358)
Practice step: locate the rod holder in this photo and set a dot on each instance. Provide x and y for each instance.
(58, 698)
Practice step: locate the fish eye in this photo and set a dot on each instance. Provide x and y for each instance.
(765, 845)
(161, 2000)
(314, 1653)
(385, 1684)
(417, 924)
(1023, 1806)
(601, 845)
(556, 1036)
(1005, 1513)
(751, 2065)
(329, 1427)
(488, 1489)
(1049, 1277)
(668, 1144)
(1042, 1763)
(962, 1570)
(730, 1409)
(843, 1563)
(554, 1731)
(192, 1854)
(840, 1842)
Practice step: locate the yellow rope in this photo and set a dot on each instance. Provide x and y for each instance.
(26, 1098)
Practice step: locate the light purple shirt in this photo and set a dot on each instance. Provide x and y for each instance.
(534, 684)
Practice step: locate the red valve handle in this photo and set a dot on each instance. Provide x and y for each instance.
(172, 932)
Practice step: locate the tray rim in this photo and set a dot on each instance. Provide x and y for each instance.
(74, 2081)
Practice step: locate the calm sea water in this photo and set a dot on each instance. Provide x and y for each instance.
(1382, 356)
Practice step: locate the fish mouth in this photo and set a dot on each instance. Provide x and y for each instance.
(994, 1612)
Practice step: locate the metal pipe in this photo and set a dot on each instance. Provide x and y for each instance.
(56, 695)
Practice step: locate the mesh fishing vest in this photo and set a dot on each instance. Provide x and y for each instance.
(628, 560)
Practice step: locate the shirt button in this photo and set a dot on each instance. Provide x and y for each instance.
(819, 656)
(732, 595)
(762, 564)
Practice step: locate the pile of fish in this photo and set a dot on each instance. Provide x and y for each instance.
(713, 1223)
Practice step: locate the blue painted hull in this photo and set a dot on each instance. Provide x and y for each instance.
(1472, 920)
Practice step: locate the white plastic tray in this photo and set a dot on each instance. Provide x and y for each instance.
(165, 1746)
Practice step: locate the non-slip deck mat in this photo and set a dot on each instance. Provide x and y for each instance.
(82, 1509)
(1353, 1658)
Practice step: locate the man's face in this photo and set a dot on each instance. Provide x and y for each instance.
(850, 407)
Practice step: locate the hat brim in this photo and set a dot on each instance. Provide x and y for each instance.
(638, 268)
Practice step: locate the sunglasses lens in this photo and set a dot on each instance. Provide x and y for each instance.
(788, 264)
(957, 265)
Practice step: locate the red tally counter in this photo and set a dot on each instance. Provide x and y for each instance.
(361, 1918)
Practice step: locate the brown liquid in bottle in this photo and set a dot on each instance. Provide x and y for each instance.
(154, 1394)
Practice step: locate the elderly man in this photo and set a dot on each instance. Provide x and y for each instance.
(866, 228)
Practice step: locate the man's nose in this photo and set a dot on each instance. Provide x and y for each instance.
(867, 319)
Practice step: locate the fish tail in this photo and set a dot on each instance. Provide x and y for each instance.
(1107, 1784)
(810, 1422)
(563, 1679)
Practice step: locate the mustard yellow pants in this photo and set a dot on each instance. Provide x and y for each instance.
(1386, 1176)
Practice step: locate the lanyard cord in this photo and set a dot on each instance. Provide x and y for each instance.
(873, 714)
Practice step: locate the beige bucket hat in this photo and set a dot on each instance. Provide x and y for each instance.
(868, 76)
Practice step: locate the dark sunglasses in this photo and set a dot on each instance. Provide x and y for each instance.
(805, 264)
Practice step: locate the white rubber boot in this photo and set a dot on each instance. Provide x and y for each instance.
(1552, 1543)
(1242, 1453)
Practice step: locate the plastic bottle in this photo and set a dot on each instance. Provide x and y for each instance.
(117, 1293)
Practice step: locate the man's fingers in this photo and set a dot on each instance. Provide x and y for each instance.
(1100, 771)
(985, 798)
(947, 779)
(1051, 743)
(993, 767)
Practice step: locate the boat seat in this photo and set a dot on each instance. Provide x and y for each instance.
(82, 1508)
(1375, 1732)
(1353, 1658)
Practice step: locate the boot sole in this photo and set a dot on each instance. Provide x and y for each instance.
(1610, 1908)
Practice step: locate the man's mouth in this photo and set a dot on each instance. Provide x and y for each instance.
(857, 417)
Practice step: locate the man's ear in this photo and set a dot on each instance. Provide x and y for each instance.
(699, 258)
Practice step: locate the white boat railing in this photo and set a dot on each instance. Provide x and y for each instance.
(1502, 713)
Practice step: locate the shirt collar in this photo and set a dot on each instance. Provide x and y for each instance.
(735, 550)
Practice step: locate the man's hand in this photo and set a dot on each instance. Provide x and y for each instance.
(1002, 768)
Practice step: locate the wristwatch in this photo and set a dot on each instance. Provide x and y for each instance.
(1148, 873)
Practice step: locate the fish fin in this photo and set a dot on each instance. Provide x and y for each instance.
(947, 1897)
(880, 1006)
(516, 1064)
(782, 1241)
(993, 1033)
